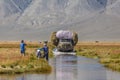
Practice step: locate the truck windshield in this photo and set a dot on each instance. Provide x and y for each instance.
(65, 40)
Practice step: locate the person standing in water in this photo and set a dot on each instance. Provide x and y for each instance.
(22, 47)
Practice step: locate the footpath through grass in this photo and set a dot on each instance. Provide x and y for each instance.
(107, 53)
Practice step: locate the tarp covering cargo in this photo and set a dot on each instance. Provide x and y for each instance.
(64, 34)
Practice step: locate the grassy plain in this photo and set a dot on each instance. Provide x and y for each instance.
(108, 53)
(12, 62)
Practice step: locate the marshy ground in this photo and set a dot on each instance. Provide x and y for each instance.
(12, 62)
(108, 53)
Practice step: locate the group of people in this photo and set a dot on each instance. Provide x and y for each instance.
(45, 49)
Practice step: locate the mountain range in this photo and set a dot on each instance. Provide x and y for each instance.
(37, 19)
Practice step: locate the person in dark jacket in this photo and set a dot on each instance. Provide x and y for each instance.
(46, 52)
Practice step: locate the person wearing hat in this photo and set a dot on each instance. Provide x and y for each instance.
(38, 53)
(46, 52)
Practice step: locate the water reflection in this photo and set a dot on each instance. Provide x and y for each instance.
(89, 69)
(76, 68)
(67, 67)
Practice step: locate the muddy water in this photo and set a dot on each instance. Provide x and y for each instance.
(70, 68)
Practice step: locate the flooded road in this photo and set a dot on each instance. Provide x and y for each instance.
(76, 68)
(66, 67)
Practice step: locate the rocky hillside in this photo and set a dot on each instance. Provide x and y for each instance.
(91, 19)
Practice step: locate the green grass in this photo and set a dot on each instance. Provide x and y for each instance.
(31, 65)
(11, 61)
(108, 55)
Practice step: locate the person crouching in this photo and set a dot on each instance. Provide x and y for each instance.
(38, 53)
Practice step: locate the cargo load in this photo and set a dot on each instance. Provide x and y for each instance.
(64, 40)
(64, 34)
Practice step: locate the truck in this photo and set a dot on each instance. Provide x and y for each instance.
(64, 40)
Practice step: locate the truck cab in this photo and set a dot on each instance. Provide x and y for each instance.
(65, 45)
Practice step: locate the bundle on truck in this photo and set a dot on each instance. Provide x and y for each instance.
(64, 40)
